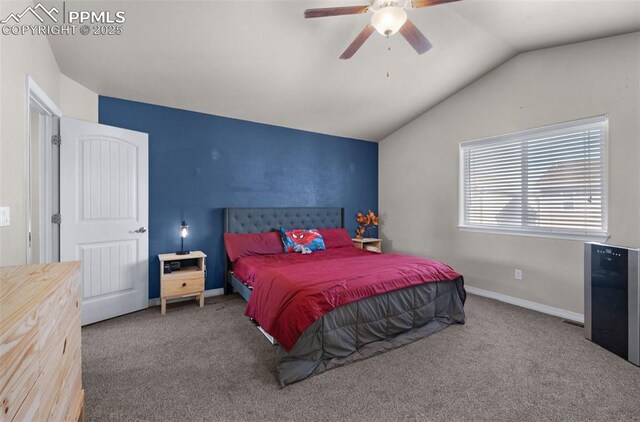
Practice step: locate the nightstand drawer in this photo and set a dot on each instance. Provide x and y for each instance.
(179, 284)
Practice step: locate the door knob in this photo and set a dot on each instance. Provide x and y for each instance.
(141, 230)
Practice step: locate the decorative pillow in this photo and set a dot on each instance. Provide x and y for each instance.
(246, 244)
(302, 241)
(336, 238)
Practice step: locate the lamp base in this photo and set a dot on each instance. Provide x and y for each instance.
(183, 252)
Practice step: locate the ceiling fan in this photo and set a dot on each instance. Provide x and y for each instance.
(389, 17)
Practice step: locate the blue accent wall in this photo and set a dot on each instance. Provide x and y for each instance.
(200, 164)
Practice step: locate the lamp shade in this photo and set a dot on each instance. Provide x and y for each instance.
(388, 20)
(184, 230)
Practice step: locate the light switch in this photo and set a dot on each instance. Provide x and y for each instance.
(5, 216)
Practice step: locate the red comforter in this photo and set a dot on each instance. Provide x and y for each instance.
(292, 291)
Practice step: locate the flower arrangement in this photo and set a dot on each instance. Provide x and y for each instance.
(366, 222)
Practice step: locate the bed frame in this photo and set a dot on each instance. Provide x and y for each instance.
(260, 220)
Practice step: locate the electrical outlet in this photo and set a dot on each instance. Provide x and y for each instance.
(5, 216)
(518, 274)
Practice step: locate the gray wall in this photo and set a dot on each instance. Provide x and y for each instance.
(419, 166)
(20, 56)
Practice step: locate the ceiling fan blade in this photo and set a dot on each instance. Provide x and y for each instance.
(424, 3)
(335, 11)
(414, 37)
(357, 43)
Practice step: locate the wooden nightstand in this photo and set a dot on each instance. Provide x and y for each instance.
(368, 243)
(188, 281)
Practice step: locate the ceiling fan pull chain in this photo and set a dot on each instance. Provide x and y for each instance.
(389, 50)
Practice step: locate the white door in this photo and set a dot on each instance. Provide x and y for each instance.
(104, 194)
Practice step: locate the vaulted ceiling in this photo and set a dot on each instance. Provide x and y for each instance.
(262, 61)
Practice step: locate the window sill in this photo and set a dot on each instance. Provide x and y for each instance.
(565, 236)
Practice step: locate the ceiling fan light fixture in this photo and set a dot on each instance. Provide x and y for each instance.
(388, 20)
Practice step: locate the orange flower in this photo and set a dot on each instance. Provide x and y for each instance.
(365, 222)
(373, 218)
(363, 219)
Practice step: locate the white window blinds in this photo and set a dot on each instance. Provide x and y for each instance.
(549, 180)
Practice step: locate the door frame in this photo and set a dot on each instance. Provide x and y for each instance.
(37, 98)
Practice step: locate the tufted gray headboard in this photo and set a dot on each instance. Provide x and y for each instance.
(257, 220)
(260, 220)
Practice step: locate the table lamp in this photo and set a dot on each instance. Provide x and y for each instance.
(184, 232)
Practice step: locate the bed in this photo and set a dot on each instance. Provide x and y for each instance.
(338, 306)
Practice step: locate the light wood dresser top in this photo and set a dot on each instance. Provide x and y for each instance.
(23, 288)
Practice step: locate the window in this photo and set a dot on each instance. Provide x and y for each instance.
(547, 181)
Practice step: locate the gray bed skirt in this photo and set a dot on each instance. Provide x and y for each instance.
(372, 326)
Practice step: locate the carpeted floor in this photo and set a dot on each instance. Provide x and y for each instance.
(506, 363)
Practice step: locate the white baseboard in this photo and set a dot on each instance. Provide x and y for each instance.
(534, 306)
(207, 293)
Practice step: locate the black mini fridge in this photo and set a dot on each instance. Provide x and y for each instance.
(612, 299)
